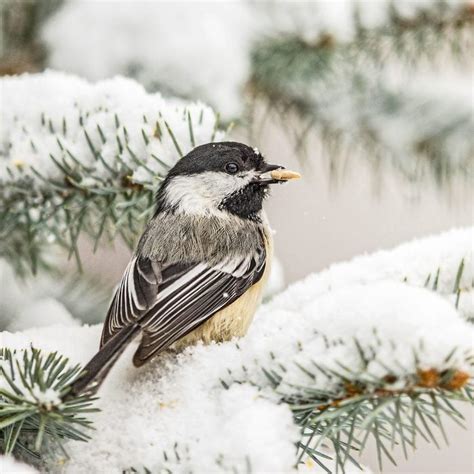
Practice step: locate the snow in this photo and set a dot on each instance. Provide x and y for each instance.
(42, 115)
(179, 403)
(48, 398)
(9, 465)
(391, 322)
(43, 312)
(149, 45)
(47, 299)
(411, 262)
(399, 107)
(164, 406)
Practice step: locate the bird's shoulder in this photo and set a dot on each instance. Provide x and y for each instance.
(172, 238)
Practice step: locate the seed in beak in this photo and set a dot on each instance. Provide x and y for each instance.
(284, 175)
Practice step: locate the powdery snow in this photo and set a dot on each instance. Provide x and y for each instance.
(9, 465)
(411, 262)
(47, 299)
(164, 407)
(181, 398)
(48, 398)
(64, 116)
(149, 44)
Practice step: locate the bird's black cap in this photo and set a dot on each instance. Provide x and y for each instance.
(215, 156)
(230, 158)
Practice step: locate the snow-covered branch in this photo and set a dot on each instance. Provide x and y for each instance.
(53, 121)
(358, 343)
(419, 121)
(146, 43)
(33, 411)
(86, 157)
(442, 263)
(364, 74)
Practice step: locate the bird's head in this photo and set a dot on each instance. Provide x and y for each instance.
(220, 179)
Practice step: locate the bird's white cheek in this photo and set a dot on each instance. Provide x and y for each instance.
(188, 195)
(201, 194)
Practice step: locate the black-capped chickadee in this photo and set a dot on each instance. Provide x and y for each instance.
(202, 262)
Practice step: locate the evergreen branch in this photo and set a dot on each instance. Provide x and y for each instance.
(343, 404)
(461, 287)
(95, 174)
(32, 410)
(351, 94)
(424, 29)
(348, 416)
(82, 202)
(79, 209)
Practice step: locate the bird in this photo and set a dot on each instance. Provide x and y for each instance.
(200, 266)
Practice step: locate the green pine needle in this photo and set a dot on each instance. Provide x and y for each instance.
(32, 411)
(292, 75)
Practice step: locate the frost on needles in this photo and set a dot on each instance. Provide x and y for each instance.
(370, 348)
(80, 157)
(389, 81)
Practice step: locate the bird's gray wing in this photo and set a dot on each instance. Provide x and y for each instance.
(169, 301)
(136, 293)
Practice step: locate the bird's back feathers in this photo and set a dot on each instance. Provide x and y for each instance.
(178, 238)
(169, 300)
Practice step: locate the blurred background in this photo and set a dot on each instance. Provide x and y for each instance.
(371, 101)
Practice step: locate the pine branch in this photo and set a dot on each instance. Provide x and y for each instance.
(33, 416)
(60, 213)
(382, 361)
(343, 419)
(81, 164)
(391, 419)
(343, 391)
(357, 95)
(461, 290)
(401, 25)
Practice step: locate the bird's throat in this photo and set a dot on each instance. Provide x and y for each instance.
(246, 202)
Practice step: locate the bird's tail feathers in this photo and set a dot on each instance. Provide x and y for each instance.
(99, 366)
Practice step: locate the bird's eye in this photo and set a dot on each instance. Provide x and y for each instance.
(232, 168)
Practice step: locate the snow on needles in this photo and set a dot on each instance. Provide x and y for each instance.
(213, 408)
(400, 109)
(111, 123)
(434, 262)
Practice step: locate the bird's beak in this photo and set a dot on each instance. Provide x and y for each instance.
(276, 174)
